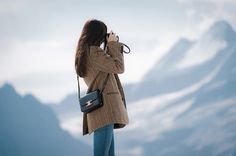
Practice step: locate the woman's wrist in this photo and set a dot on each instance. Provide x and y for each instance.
(111, 41)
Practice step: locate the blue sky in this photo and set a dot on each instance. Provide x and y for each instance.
(38, 37)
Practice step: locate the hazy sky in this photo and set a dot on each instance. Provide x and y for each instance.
(38, 37)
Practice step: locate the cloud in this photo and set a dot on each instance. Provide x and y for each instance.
(49, 87)
(201, 53)
(12, 6)
(201, 14)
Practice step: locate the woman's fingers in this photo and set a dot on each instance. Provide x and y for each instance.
(112, 36)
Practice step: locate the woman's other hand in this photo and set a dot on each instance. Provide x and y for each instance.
(112, 37)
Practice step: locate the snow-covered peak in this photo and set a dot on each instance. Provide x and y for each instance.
(220, 30)
(218, 37)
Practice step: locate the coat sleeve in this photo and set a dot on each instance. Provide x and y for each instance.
(111, 60)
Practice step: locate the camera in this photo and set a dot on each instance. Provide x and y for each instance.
(123, 45)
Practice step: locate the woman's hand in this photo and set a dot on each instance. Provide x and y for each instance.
(112, 37)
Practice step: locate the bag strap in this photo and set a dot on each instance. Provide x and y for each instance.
(104, 83)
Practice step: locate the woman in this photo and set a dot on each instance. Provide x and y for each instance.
(92, 62)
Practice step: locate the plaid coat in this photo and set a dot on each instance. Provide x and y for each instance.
(110, 61)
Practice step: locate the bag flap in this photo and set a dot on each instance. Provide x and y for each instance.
(93, 95)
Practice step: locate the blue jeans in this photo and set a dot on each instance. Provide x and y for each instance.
(103, 141)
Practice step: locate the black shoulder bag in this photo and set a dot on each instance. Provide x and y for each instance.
(92, 100)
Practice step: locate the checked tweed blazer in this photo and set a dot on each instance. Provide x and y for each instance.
(114, 109)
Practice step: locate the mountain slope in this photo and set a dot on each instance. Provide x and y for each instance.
(189, 109)
(31, 128)
(198, 59)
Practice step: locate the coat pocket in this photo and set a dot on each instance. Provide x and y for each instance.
(114, 92)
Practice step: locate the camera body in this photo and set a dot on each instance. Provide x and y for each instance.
(123, 45)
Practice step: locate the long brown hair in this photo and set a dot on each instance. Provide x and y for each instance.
(93, 33)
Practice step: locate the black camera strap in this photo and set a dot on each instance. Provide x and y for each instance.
(126, 47)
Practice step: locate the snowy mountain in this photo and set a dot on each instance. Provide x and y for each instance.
(189, 62)
(187, 100)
